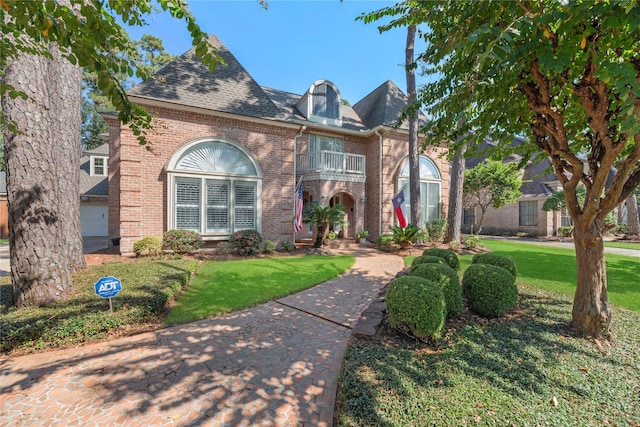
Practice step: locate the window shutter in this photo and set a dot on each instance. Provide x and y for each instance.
(217, 206)
(245, 205)
(188, 204)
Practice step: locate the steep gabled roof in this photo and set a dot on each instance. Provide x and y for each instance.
(93, 185)
(383, 106)
(286, 102)
(229, 89)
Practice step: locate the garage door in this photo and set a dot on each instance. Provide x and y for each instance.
(94, 220)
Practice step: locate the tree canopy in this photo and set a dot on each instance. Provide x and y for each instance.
(563, 73)
(88, 34)
(491, 183)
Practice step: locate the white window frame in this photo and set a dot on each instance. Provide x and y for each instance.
(423, 196)
(105, 166)
(203, 176)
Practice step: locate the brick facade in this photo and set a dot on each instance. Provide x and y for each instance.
(138, 202)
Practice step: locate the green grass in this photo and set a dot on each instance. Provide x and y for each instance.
(4, 241)
(623, 245)
(555, 269)
(83, 317)
(502, 372)
(221, 287)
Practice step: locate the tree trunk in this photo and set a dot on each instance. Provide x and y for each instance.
(454, 215)
(591, 310)
(321, 236)
(42, 178)
(414, 149)
(632, 215)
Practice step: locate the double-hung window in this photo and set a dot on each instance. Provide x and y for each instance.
(99, 166)
(429, 190)
(528, 213)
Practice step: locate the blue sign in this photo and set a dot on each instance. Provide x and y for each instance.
(108, 287)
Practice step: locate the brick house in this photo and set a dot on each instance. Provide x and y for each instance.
(227, 155)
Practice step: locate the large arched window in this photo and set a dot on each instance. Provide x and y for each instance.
(429, 189)
(322, 103)
(214, 189)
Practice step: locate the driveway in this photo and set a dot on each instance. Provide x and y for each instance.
(89, 244)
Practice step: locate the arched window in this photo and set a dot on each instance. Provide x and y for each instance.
(430, 179)
(214, 189)
(322, 103)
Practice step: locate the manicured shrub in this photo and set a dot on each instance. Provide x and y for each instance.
(247, 242)
(181, 241)
(150, 245)
(405, 236)
(435, 229)
(426, 259)
(269, 247)
(417, 305)
(471, 242)
(489, 289)
(450, 257)
(498, 260)
(448, 280)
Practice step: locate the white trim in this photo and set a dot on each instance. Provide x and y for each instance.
(92, 166)
(172, 174)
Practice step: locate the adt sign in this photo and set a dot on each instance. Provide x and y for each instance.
(108, 287)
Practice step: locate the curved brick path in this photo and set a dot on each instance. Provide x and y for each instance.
(276, 364)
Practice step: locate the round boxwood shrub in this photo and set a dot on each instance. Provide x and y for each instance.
(448, 255)
(417, 305)
(425, 259)
(495, 259)
(447, 279)
(490, 290)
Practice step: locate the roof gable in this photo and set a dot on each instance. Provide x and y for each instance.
(383, 106)
(230, 88)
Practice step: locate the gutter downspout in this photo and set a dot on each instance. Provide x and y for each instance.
(295, 171)
(377, 132)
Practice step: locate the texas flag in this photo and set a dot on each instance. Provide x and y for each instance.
(398, 201)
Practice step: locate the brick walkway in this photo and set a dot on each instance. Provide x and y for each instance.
(275, 364)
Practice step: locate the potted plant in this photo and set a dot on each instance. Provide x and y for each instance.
(361, 236)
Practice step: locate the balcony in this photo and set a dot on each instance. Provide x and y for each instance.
(331, 165)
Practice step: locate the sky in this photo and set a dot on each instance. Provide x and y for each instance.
(296, 42)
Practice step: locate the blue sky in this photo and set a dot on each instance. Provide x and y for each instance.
(294, 43)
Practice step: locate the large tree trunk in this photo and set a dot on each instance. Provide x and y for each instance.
(42, 178)
(454, 215)
(632, 215)
(414, 149)
(591, 310)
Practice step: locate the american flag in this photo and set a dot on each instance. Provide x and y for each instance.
(297, 219)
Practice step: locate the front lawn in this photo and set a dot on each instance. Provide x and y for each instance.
(555, 269)
(224, 286)
(84, 317)
(623, 245)
(147, 288)
(525, 369)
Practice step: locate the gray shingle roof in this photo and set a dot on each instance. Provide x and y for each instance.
(93, 185)
(383, 106)
(230, 88)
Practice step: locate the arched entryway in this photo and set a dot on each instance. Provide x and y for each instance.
(350, 208)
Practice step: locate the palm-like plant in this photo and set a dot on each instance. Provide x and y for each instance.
(323, 217)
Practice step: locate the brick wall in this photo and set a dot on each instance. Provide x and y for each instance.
(138, 177)
(143, 173)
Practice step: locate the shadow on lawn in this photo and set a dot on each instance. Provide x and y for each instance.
(516, 356)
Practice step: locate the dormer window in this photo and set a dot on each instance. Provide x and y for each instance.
(99, 166)
(322, 104)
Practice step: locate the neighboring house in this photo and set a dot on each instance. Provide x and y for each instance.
(226, 155)
(4, 207)
(526, 215)
(94, 191)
